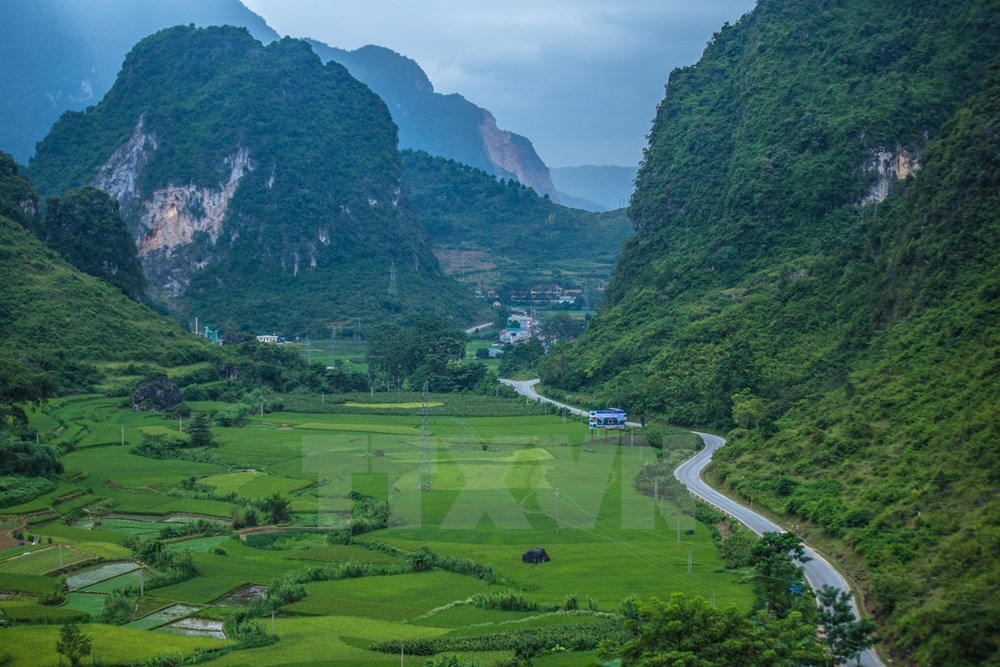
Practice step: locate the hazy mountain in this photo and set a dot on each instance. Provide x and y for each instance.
(606, 187)
(816, 265)
(59, 55)
(261, 186)
(449, 126)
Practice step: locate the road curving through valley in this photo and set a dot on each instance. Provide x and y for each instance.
(819, 572)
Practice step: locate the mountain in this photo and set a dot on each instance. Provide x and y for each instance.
(261, 186)
(63, 55)
(495, 232)
(70, 326)
(445, 125)
(815, 267)
(605, 187)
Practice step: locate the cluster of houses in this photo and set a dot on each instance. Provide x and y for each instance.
(520, 327)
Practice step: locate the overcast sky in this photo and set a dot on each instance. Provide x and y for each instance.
(580, 78)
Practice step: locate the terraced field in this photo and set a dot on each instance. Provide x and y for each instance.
(498, 486)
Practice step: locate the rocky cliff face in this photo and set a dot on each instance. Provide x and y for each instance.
(887, 167)
(512, 153)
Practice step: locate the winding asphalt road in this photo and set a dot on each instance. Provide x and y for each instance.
(818, 571)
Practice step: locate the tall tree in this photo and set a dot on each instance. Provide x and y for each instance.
(73, 644)
(200, 431)
(845, 635)
(779, 580)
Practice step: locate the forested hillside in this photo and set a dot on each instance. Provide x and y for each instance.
(262, 187)
(60, 329)
(815, 264)
(503, 232)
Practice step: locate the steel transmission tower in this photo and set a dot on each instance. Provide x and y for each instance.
(425, 448)
(393, 291)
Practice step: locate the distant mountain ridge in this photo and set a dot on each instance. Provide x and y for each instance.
(449, 126)
(262, 187)
(63, 55)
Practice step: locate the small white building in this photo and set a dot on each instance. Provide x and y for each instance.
(514, 335)
(271, 339)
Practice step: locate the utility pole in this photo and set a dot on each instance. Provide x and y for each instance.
(557, 509)
(123, 436)
(689, 560)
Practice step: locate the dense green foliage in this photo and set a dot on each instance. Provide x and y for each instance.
(85, 227)
(688, 631)
(315, 220)
(18, 201)
(850, 339)
(503, 230)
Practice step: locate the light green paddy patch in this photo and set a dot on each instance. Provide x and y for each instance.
(336, 641)
(393, 406)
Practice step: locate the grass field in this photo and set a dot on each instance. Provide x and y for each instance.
(499, 485)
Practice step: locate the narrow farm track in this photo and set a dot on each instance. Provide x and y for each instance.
(819, 572)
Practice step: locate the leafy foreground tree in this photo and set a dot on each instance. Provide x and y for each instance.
(73, 644)
(689, 632)
(779, 584)
(845, 635)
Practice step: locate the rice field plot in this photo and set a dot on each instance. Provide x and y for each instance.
(88, 603)
(131, 579)
(327, 640)
(135, 526)
(219, 575)
(254, 483)
(43, 561)
(28, 583)
(163, 616)
(30, 612)
(91, 575)
(34, 645)
(117, 465)
(394, 597)
(202, 544)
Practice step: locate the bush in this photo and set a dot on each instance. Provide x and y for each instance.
(505, 601)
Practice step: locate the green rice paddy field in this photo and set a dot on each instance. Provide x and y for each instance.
(498, 486)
